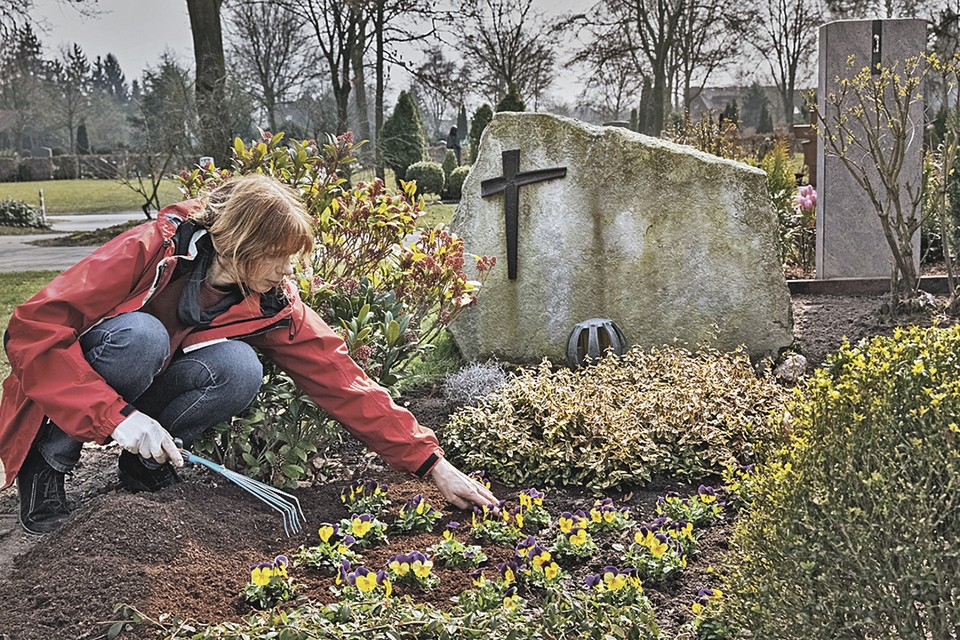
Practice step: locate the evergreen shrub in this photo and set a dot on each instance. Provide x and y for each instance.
(428, 176)
(853, 532)
(449, 164)
(481, 118)
(17, 213)
(663, 412)
(457, 177)
(404, 142)
(511, 101)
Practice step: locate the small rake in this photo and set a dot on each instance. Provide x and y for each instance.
(285, 503)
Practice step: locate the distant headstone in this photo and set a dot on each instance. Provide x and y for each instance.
(850, 240)
(669, 243)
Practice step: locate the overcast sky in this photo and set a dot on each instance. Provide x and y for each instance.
(137, 32)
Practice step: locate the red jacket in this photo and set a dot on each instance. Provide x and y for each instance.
(50, 376)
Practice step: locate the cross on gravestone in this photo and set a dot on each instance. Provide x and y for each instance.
(509, 184)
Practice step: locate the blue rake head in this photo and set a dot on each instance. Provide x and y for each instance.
(285, 503)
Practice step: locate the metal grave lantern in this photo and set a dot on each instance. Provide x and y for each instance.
(591, 339)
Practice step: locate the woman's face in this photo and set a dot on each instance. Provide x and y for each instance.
(269, 272)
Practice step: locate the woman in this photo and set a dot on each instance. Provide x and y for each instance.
(152, 337)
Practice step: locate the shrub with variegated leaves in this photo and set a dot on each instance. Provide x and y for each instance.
(662, 412)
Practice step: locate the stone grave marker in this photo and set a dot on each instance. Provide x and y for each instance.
(672, 244)
(850, 240)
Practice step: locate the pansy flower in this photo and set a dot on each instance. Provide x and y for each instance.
(327, 531)
(707, 494)
(450, 528)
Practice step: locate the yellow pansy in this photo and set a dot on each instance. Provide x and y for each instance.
(261, 576)
(361, 527)
(400, 568)
(551, 571)
(326, 531)
(579, 537)
(367, 583)
(422, 569)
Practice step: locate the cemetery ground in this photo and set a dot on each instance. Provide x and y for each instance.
(181, 556)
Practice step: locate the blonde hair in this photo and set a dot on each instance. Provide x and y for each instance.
(252, 217)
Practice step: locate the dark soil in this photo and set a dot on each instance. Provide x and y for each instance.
(186, 550)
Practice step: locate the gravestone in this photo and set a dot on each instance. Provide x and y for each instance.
(850, 240)
(672, 244)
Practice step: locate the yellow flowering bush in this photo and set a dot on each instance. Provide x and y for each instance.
(656, 555)
(853, 528)
(604, 516)
(495, 523)
(535, 515)
(360, 584)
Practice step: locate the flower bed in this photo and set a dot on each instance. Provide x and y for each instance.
(184, 555)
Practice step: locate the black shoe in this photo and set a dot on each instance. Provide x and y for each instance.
(43, 499)
(136, 477)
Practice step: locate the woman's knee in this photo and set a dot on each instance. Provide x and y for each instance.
(236, 369)
(125, 344)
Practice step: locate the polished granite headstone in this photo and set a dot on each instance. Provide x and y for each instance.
(850, 240)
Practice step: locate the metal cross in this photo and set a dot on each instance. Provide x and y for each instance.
(509, 184)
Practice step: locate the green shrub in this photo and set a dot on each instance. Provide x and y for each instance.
(16, 213)
(428, 176)
(511, 101)
(404, 142)
(457, 178)
(481, 118)
(623, 421)
(781, 184)
(853, 533)
(449, 164)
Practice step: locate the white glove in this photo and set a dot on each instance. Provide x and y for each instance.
(141, 434)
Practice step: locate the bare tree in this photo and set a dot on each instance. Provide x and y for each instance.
(645, 30)
(22, 86)
(441, 84)
(506, 43)
(211, 76)
(335, 26)
(267, 47)
(705, 43)
(784, 32)
(69, 91)
(613, 84)
(164, 117)
(883, 8)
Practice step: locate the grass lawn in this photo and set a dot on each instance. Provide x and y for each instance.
(14, 289)
(84, 196)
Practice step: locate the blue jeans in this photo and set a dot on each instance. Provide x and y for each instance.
(196, 391)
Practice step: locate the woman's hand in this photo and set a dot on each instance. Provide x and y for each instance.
(458, 488)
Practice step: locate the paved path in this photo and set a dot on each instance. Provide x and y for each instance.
(17, 255)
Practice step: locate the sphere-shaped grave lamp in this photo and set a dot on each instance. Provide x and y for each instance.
(591, 339)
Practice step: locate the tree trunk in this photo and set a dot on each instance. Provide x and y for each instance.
(360, 83)
(659, 101)
(378, 98)
(214, 133)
